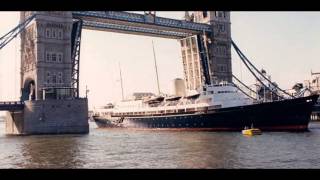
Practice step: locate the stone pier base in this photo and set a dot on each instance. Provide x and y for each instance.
(49, 117)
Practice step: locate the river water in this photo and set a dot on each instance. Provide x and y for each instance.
(111, 148)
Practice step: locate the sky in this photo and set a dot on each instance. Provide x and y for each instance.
(285, 44)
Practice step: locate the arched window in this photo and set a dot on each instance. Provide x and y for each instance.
(48, 56)
(54, 57)
(48, 77)
(59, 57)
(60, 77)
(48, 33)
(54, 33)
(60, 35)
(54, 78)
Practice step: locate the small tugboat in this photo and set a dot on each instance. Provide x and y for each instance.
(251, 131)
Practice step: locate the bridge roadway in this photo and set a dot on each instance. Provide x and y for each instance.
(140, 24)
(11, 105)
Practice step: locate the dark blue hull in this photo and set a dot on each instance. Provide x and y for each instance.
(293, 114)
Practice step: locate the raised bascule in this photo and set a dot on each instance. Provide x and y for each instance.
(50, 60)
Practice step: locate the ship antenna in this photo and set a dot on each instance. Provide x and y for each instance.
(121, 81)
(155, 64)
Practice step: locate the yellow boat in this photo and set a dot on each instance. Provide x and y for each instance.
(251, 131)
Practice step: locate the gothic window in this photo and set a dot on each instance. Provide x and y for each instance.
(59, 57)
(54, 57)
(222, 68)
(48, 56)
(48, 77)
(60, 78)
(221, 27)
(60, 34)
(48, 33)
(54, 78)
(54, 33)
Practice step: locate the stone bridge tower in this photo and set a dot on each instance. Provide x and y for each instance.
(45, 53)
(50, 104)
(218, 46)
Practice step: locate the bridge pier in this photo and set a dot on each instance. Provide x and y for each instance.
(49, 117)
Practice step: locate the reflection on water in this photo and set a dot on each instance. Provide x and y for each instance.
(51, 152)
(106, 148)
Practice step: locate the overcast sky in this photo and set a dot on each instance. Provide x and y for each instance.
(286, 44)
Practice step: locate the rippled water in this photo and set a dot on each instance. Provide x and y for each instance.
(106, 148)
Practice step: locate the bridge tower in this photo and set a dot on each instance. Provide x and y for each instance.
(51, 105)
(218, 42)
(217, 48)
(45, 53)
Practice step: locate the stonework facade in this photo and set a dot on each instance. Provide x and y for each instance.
(49, 117)
(46, 70)
(218, 46)
(46, 52)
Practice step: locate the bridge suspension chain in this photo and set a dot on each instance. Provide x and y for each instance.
(5, 39)
(246, 61)
(244, 86)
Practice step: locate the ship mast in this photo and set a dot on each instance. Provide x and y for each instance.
(121, 82)
(155, 64)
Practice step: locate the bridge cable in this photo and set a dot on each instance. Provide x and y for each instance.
(242, 89)
(245, 61)
(243, 84)
(5, 39)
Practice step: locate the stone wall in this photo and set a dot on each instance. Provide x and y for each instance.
(50, 117)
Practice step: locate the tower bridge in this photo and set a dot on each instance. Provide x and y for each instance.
(50, 60)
